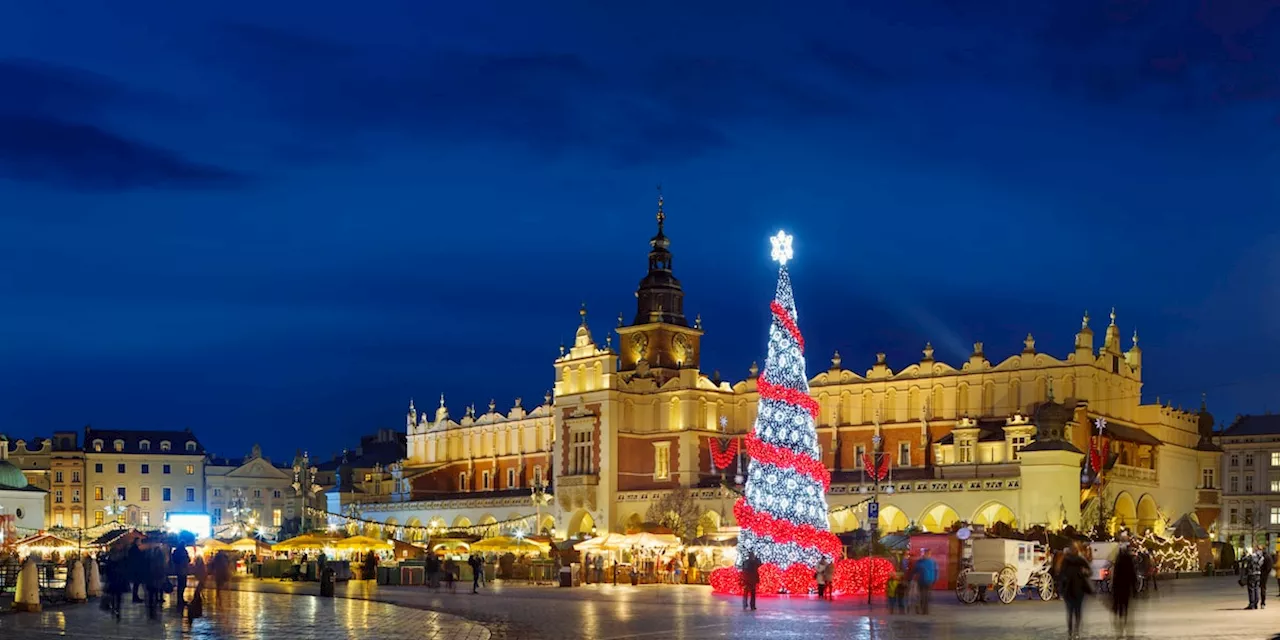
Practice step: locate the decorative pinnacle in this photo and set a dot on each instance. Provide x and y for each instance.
(583, 312)
(661, 216)
(1084, 322)
(1135, 337)
(441, 400)
(1113, 316)
(782, 251)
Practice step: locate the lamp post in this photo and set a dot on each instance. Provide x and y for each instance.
(538, 493)
(115, 509)
(870, 467)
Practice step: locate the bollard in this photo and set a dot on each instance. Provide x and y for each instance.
(95, 579)
(27, 596)
(75, 583)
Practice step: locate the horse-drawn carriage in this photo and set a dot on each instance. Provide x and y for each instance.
(1005, 567)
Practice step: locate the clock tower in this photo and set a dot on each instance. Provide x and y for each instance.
(659, 340)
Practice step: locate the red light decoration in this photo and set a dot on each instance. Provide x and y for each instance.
(850, 577)
(763, 524)
(787, 459)
(869, 465)
(787, 323)
(788, 395)
(722, 451)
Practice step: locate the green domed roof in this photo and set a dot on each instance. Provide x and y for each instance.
(11, 477)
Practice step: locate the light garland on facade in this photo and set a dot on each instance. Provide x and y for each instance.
(346, 520)
(722, 454)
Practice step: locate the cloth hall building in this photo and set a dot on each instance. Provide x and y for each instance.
(996, 438)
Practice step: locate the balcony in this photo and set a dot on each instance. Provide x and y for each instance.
(1133, 474)
(580, 480)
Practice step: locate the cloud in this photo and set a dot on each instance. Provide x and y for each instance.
(32, 87)
(552, 103)
(89, 158)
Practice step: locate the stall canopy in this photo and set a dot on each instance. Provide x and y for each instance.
(251, 545)
(364, 543)
(504, 544)
(1187, 528)
(603, 543)
(213, 545)
(305, 541)
(651, 540)
(45, 542)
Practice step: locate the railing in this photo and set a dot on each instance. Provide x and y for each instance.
(1126, 472)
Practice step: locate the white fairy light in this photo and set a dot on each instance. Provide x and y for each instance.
(781, 248)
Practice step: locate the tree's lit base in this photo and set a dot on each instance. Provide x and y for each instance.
(851, 577)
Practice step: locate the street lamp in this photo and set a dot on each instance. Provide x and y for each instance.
(538, 493)
(871, 467)
(115, 509)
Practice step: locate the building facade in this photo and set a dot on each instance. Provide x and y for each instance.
(55, 465)
(21, 503)
(139, 477)
(983, 441)
(1251, 481)
(249, 496)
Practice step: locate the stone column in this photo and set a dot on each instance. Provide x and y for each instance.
(27, 596)
(75, 582)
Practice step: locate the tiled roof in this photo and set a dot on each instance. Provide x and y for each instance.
(1263, 425)
(132, 438)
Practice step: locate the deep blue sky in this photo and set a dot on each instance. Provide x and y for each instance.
(278, 221)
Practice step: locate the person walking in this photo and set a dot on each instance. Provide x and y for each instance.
(181, 563)
(1124, 583)
(477, 569)
(1073, 585)
(820, 575)
(926, 573)
(118, 574)
(1268, 565)
(750, 580)
(137, 559)
(1251, 576)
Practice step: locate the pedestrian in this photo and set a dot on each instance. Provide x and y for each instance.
(370, 566)
(829, 575)
(155, 581)
(891, 591)
(137, 559)
(750, 580)
(118, 578)
(181, 562)
(599, 567)
(1251, 576)
(1073, 585)
(1268, 565)
(450, 567)
(1124, 583)
(926, 573)
(477, 569)
(433, 571)
(820, 575)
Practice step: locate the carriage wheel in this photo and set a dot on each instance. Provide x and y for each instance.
(964, 592)
(1007, 584)
(1046, 589)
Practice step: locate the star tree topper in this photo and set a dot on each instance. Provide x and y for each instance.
(782, 248)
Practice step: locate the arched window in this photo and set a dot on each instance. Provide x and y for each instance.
(164, 445)
(144, 445)
(191, 446)
(962, 400)
(118, 445)
(97, 445)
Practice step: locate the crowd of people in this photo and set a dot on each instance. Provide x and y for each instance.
(143, 570)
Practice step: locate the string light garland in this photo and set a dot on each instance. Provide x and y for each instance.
(723, 451)
(474, 528)
(849, 577)
(869, 465)
(786, 458)
(786, 395)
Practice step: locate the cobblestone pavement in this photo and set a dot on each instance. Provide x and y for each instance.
(1190, 608)
(248, 614)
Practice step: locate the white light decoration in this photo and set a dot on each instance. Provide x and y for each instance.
(782, 252)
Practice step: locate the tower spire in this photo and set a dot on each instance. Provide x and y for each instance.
(662, 217)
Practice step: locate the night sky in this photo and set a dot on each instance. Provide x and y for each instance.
(279, 221)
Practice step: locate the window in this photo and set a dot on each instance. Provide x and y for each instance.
(57, 519)
(191, 469)
(57, 496)
(217, 493)
(97, 445)
(1235, 459)
(97, 493)
(661, 460)
(165, 469)
(1248, 517)
(146, 468)
(146, 494)
(964, 452)
(511, 478)
(275, 493)
(1248, 459)
(164, 445)
(1206, 478)
(484, 480)
(1275, 486)
(57, 477)
(166, 494)
(191, 494)
(1275, 458)
(257, 493)
(537, 474)
(191, 446)
(277, 518)
(1275, 515)
(75, 477)
(118, 445)
(368, 477)
(581, 459)
(120, 493)
(1234, 484)
(97, 518)
(97, 468)
(858, 452)
(75, 496)
(144, 445)
(1231, 518)
(462, 481)
(1017, 443)
(120, 468)
(904, 454)
(1248, 484)
(75, 519)
(217, 516)
(146, 518)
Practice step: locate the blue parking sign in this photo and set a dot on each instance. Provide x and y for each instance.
(873, 509)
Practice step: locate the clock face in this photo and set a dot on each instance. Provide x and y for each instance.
(640, 343)
(680, 345)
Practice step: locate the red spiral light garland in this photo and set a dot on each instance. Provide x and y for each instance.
(850, 577)
(788, 459)
(783, 531)
(787, 323)
(794, 397)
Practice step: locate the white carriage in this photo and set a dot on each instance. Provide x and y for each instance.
(1005, 567)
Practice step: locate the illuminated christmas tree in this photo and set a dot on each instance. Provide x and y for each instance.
(783, 513)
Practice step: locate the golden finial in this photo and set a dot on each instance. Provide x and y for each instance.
(583, 312)
(1113, 316)
(661, 216)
